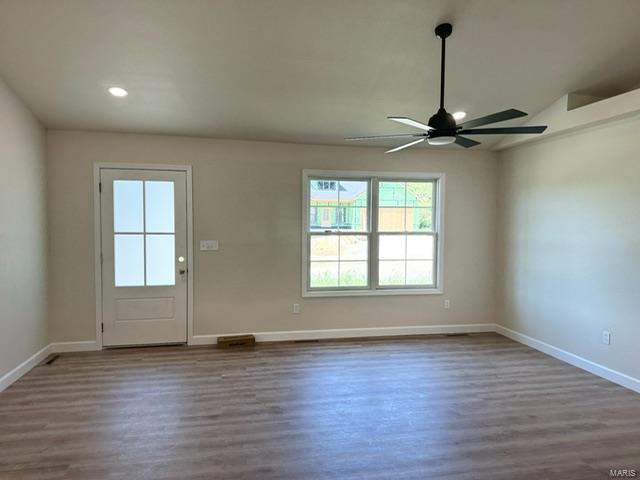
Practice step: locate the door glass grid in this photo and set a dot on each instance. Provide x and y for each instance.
(144, 233)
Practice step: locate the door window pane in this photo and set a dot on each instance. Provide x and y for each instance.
(159, 207)
(129, 260)
(160, 260)
(127, 206)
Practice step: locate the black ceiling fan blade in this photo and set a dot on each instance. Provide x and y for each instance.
(494, 118)
(501, 131)
(466, 142)
(402, 135)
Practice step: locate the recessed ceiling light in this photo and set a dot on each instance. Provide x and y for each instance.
(459, 115)
(118, 92)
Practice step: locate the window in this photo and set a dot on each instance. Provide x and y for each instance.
(375, 233)
(144, 233)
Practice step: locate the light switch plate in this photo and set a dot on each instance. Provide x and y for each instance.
(209, 245)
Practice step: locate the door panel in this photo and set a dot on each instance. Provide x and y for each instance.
(144, 251)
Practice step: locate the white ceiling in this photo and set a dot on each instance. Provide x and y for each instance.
(302, 70)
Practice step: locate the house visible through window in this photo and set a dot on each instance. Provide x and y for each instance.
(377, 233)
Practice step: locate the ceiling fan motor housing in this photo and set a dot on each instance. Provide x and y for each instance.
(443, 124)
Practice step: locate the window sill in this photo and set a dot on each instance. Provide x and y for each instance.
(371, 293)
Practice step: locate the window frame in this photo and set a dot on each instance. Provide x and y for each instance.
(372, 288)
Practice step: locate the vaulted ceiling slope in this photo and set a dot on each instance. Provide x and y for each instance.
(305, 70)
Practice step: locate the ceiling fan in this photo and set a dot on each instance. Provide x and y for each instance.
(442, 128)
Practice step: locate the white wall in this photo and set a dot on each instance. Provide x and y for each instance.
(569, 242)
(248, 196)
(23, 233)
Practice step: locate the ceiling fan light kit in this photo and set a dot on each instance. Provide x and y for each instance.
(442, 129)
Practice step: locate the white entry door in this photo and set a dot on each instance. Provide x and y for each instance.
(144, 256)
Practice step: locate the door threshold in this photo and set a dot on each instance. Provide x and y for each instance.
(145, 345)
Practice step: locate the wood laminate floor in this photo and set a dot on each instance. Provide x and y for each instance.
(468, 407)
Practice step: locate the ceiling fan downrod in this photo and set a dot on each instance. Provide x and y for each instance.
(443, 123)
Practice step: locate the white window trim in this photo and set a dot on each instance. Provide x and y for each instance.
(372, 291)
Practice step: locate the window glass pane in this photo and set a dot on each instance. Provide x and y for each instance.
(420, 247)
(323, 274)
(127, 206)
(354, 247)
(391, 194)
(323, 192)
(391, 272)
(353, 193)
(419, 194)
(419, 220)
(160, 260)
(324, 247)
(326, 219)
(353, 274)
(352, 219)
(419, 272)
(392, 247)
(391, 219)
(128, 257)
(314, 218)
(159, 207)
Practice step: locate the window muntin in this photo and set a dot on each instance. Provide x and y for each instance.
(402, 241)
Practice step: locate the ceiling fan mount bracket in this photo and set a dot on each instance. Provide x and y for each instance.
(444, 30)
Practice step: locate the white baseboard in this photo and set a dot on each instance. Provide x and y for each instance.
(57, 347)
(12, 375)
(568, 357)
(65, 347)
(353, 333)
(572, 359)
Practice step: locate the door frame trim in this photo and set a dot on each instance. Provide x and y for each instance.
(97, 236)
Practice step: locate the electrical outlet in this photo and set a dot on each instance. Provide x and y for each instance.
(296, 308)
(606, 337)
(447, 304)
